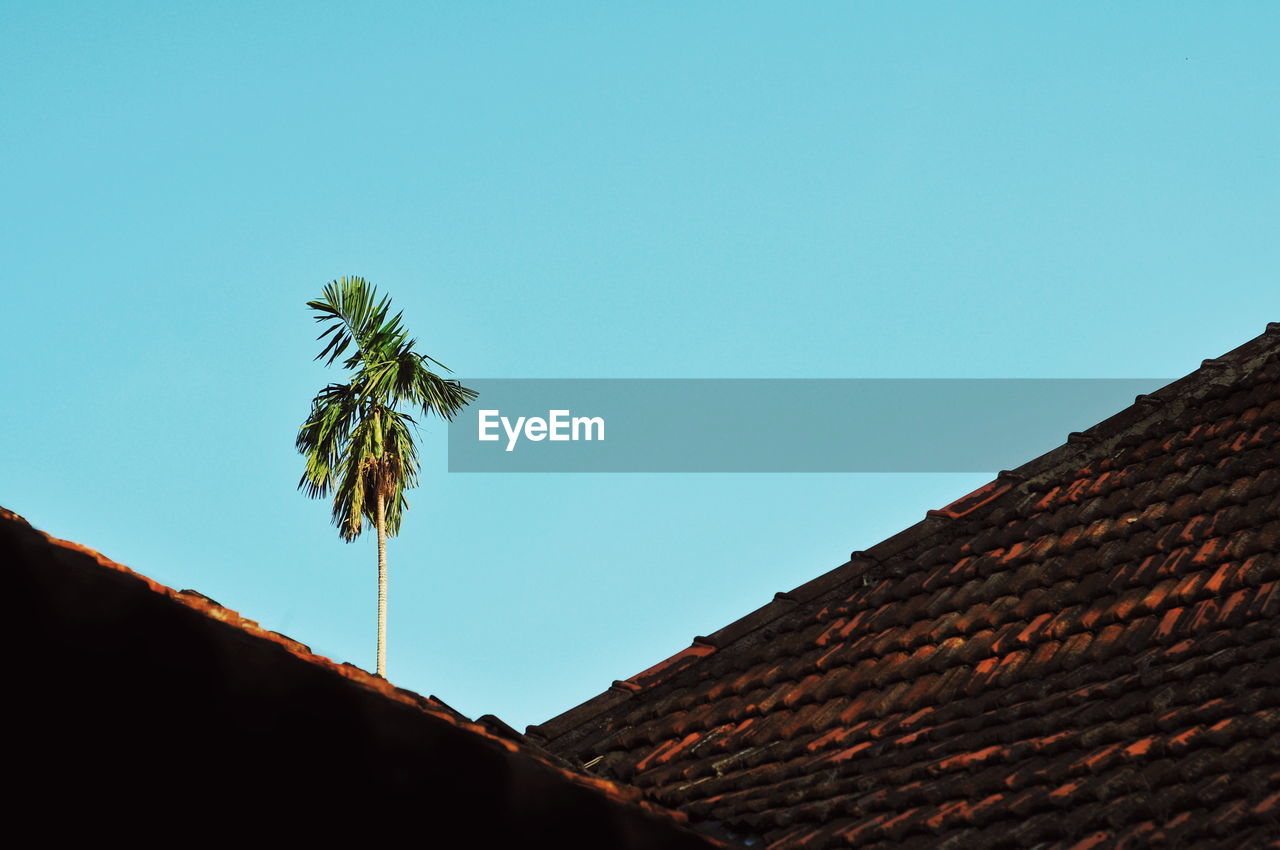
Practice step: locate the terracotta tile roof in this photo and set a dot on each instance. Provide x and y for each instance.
(1084, 653)
(146, 711)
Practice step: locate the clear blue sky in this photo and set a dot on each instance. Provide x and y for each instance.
(588, 190)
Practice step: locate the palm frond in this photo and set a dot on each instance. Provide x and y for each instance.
(435, 394)
(323, 438)
(351, 498)
(401, 456)
(352, 312)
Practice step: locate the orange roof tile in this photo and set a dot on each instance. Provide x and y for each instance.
(1076, 655)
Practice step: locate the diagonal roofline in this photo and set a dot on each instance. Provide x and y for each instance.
(488, 729)
(581, 725)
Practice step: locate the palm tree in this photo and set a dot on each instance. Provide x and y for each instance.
(357, 442)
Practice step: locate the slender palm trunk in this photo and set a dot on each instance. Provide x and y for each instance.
(382, 587)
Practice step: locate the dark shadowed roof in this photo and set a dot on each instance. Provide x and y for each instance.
(138, 712)
(1084, 653)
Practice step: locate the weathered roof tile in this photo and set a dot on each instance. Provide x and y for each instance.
(1084, 652)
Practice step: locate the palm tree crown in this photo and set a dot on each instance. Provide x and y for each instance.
(357, 441)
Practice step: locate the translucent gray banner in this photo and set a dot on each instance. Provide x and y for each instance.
(776, 425)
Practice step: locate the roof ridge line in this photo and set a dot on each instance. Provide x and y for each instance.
(484, 728)
(1146, 407)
